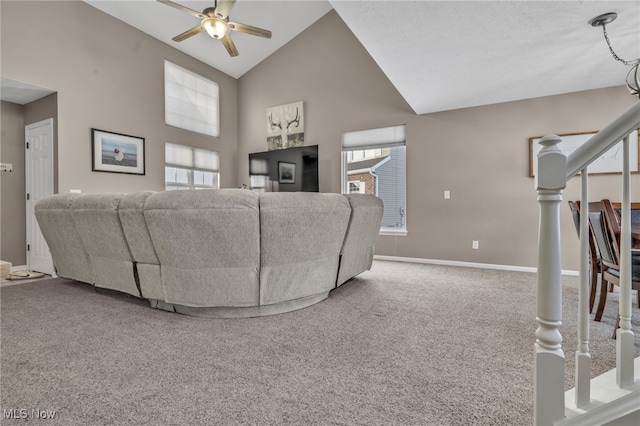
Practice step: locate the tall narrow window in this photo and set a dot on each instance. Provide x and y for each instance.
(190, 168)
(374, 162)
(191, 102)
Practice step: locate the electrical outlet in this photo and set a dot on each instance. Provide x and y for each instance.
(475, 244)
(6, 167)
(447, 195)
(75, 191)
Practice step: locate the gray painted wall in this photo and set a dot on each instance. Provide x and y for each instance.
(479, 154)
(14, 118)
(12, 224)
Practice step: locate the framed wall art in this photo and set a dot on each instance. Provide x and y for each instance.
(116, 152)
(609, 162)
(285, 126)
(286, 172)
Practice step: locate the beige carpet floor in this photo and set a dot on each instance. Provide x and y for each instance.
(403, 344)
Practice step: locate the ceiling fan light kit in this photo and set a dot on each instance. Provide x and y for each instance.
(633, 76)
(215, 27)
(215, 21)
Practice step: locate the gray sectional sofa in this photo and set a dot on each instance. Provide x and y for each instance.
(215, 253)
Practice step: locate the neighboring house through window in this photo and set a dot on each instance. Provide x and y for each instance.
(374, 162)
(362, 174)
(190, 168)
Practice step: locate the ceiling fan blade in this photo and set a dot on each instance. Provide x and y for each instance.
(182, 8)
(224, 8)
(244, 28)
(229, 45)
(189, 33)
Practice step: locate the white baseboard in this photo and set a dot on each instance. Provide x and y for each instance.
(18, 268)
(466, 264)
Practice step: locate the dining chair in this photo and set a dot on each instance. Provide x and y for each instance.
(611, 266)
(635, 210)
(598, 231)
(635, 219)
(594, 256)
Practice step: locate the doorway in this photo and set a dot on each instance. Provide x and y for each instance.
(39, 184)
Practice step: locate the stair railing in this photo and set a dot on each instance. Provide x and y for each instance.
(553, 170)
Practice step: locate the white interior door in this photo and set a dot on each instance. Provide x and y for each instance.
(39, 184)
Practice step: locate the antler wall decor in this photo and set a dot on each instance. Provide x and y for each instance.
(273, 124)
(295, 120)
(285, 126)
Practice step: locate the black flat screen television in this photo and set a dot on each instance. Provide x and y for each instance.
(285, 170)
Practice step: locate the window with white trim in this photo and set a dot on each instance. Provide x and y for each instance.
(378, 155)
(190, 168)
(191, 102)
(356, 187)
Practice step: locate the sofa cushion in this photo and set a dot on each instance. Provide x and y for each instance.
(208, 245)
(98, 223)
(359, 243)
(70, 257)
(136, 231)
(301, 235)
(135, 228)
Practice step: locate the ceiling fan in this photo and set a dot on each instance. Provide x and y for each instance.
(215, 21)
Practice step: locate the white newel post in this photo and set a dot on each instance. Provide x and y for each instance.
(625, 337)
(551, 179)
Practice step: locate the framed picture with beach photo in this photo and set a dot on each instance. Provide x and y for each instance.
(116, 152)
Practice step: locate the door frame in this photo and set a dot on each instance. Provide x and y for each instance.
(31, 233)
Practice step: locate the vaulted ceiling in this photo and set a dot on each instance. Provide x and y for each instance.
(440, 55)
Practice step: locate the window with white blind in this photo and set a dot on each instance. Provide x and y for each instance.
(191, 102)
(379, 154)
(190, 168)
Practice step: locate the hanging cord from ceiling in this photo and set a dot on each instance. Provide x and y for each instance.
(633, 76)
